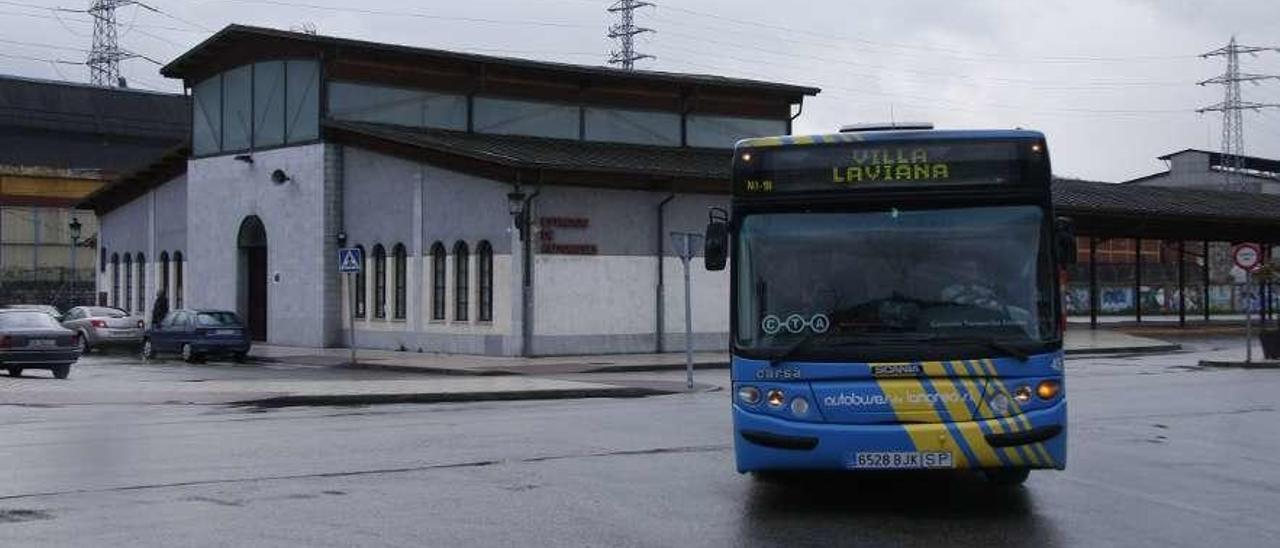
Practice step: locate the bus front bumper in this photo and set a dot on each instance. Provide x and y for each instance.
(1034, 439)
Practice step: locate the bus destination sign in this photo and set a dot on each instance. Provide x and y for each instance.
(889, 164)
(852, 166)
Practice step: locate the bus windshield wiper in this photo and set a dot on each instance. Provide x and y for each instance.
(789, 351)
(992, 343)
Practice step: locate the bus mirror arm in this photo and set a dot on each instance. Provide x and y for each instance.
(716, 244)
(1065, 240)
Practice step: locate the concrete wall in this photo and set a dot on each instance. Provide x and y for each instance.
(602, 303)
(221, 193)
(607, 303)
(1191, 170)
(152, 224)
(390, 201)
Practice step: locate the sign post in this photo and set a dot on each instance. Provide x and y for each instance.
(1247, 257)
(351, 262)
(686, 246)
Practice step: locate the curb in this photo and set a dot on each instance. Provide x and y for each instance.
(500, 372)
(427, 370)
(655, 367)
(447, 397)
(1262, 364)
(1147, 349)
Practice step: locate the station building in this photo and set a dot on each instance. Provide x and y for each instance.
(514, 207)
(504, 206)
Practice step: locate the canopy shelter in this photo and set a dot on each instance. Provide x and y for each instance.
(1178, 244)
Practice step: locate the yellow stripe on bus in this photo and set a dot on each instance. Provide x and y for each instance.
(984, 413)
(925, 437)
(1036, 450)
(1017, 419)
(955, 402)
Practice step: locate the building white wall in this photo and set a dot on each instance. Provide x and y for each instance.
(221, 193)
(603, 303)
(607, 303)
(389, 200)
(151, 224)
(1190, 169)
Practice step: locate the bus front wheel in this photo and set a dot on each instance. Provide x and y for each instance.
(1007, 476)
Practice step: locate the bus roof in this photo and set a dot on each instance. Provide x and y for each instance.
(891, 135)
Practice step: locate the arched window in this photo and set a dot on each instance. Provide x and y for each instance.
(362, 285)
(484, 267)
(461, 260)
(142, 283)
(178, 267)
(401, 299)
(164, 277)
(115, 280)
(379, 282)
(128, 282)
(437, 281)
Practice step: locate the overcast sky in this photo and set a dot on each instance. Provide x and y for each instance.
(1112, 83)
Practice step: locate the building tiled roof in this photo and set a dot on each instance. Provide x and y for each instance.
(68, 125)
(72, 106)
(1149, 201)
(168, 166)
(523, 152)
(238, 35)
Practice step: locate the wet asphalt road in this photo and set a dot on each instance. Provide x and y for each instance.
(1162, 454)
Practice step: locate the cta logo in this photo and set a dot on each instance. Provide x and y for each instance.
(795, 323)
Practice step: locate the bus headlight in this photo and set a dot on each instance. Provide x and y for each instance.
(999, 403)
(1048, 390)
(775, 398)
(749, 395)
(799, 406)
(1022, 394)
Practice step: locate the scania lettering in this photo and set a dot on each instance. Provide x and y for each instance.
(895, 302)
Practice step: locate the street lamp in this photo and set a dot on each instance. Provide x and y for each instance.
(75, 242)
(516, 202)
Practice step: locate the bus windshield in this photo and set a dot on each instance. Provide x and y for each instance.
(979, 273)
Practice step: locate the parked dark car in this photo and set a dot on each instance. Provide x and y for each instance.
(198, 334)
(102, 326)
(32, 339)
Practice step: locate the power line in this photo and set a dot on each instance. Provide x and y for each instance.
(934, 50)
(39, 45)
(414, 14)
(883, 69)
(54, 15)
(40, 59)
(625, 32)
(935, 103)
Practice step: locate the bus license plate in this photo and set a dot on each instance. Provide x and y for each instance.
(901, 460)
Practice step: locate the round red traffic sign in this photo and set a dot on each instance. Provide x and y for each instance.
(1247, 256)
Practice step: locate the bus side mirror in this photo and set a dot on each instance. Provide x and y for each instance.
(1064, 234)
(716, 246)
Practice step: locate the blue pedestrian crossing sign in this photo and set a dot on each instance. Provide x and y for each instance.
(350, 260)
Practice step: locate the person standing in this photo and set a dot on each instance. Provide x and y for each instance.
(160, 309)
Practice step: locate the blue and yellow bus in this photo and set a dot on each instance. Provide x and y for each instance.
(895, 302)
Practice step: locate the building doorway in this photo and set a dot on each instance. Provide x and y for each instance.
(252, 243)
